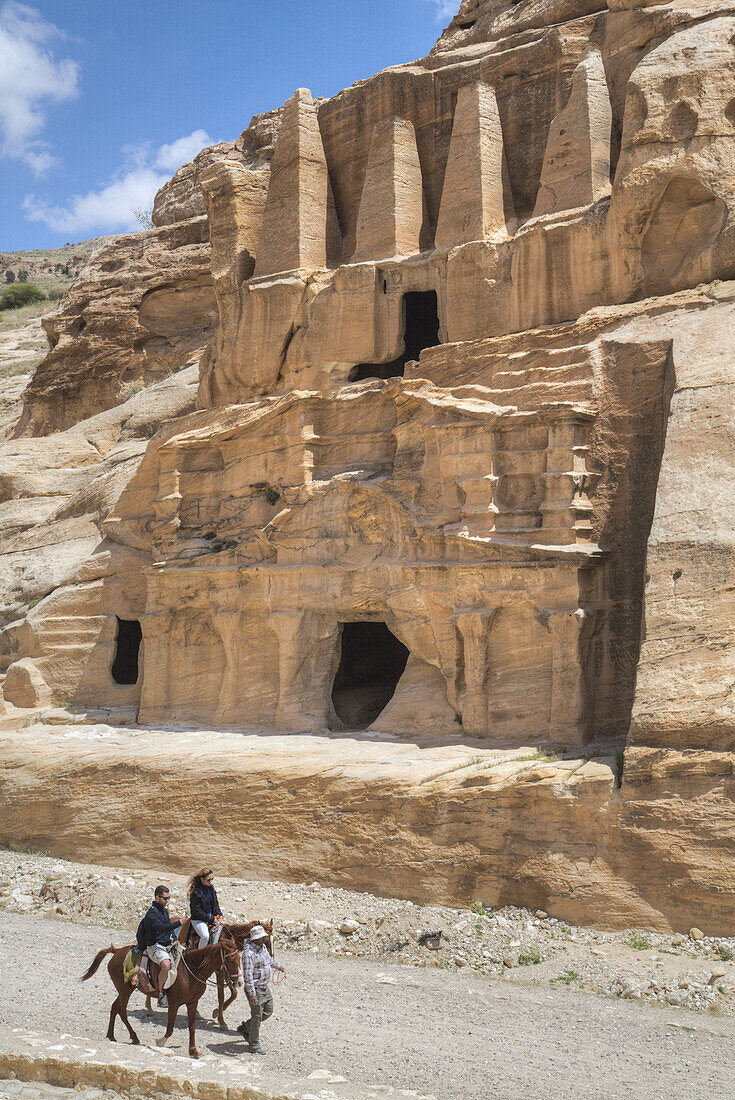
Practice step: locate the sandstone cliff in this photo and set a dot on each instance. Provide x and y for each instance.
(459, 462)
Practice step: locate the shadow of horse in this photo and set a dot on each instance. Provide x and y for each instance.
(203, 1023)
(230, 1047)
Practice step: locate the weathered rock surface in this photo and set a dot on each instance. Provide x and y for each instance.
(459, 465)
(143, 307)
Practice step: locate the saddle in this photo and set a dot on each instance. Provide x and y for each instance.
(142, 973)
(215, 930)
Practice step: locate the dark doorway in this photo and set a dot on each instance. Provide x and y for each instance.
(125, 665)
(420, 330)
(371, 664)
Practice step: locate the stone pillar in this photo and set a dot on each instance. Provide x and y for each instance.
(392, 204)
(304, 650)
(294, 231)
(567, 723)
(576, 170)
(227, 625)
(167, 501)
(566, 508)
(476, 475)
(475, 627)
(155, 693)
(236, 200)
(476, 199)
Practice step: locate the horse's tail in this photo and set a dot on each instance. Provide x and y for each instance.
(97, 960)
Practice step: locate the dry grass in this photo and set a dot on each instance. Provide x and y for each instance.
(17, 318)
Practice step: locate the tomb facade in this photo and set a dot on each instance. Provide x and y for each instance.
(459, 461)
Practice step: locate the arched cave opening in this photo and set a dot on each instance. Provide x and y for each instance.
(420, 330)
(127, 647)
(371, 664)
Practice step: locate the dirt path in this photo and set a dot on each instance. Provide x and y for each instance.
(440, 1033)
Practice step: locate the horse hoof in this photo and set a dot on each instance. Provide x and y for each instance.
(194, 1054)
(161, 1042)
(135, 1041)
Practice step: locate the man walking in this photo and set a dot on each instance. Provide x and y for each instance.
(257, 964)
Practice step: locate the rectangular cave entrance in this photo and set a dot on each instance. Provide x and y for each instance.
(371, 663)
(127, 647)
(420, 330)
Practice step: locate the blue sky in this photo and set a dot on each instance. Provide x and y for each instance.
(101, 100)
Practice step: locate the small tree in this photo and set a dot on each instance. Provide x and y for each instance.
(9, 276)
(22, 276)
(144, 216)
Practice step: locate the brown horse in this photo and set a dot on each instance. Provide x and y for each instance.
(239, 933)
(195, 968)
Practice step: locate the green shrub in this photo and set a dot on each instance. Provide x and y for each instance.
(725, 953)
(9, 276)
(531, 959)
(23, 295)
(55, 293)
(638, 942)
(568, 977)
(22, 276)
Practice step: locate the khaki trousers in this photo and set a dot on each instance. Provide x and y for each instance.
(258, 1013)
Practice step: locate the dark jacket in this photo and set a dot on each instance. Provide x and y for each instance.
(156, 927)
(204, 905)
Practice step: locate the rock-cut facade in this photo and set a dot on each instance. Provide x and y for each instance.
(456, 455)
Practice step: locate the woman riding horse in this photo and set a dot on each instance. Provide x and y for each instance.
(203, 904)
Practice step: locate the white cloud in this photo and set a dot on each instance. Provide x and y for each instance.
(30, 76)
(170, 157)
(113, 208)
(445, 9)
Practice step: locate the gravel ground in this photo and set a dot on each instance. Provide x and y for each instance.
(516, 945)
(353, 1025)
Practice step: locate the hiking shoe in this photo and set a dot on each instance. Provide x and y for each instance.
(255, 1050)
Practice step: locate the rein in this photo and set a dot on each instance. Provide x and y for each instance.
(222, 967)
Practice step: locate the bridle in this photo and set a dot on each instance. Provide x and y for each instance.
(230, 980)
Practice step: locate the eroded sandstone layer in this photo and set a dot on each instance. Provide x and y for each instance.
(460, 463)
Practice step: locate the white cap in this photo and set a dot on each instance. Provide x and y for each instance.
(258, 932)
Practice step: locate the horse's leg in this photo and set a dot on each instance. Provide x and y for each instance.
(113, 1014)
(220, 998)
(148, 1006)
(232, 997)
(191, 1011)
(173, 1008)
(123, 998)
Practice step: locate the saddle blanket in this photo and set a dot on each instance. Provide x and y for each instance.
(134, 962)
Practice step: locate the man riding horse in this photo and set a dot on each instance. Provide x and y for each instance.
(156, 934)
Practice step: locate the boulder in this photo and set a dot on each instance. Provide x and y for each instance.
(25, 686)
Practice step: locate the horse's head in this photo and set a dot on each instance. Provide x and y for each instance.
(231, 964)
(241, 932)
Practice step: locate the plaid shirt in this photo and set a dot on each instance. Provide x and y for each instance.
(256, 967)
